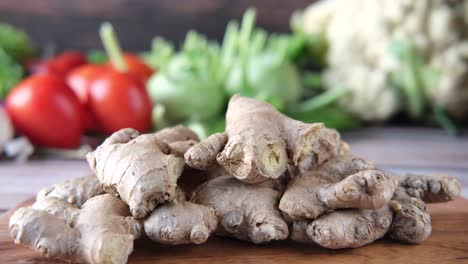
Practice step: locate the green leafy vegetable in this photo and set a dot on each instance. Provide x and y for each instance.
(15, 43)
(161, 53)
(193, 85)
(258, 65)
(11, 73)
(188, 86)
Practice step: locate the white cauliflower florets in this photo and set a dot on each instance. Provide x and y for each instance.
(359, 33)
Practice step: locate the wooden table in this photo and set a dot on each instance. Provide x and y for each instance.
(448, 243)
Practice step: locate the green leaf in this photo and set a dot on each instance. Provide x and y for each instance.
(320, 101)
(313, 81)
(332, 116)
(161, 53)
(206, 128)
(16, 43)
(11, 73)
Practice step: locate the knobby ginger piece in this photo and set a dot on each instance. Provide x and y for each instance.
(245, 211)
(181, 222)
(140, 168)
(431, 189)
(259, 142)
(74, 191)
(342, 182)
(412, 221)
(101, 231)
(348, 228)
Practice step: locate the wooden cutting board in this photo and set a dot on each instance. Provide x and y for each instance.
(447, 244)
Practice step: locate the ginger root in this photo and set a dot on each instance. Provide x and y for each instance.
(245, 211)
(75, 191)
(342, 182)
(431, 189)
(412, 222)
(140, 169)
(405, 218)
(259, 142)
(101, 231)
(181, 223)
(348, 228)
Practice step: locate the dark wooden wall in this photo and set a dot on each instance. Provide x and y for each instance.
(73, 24)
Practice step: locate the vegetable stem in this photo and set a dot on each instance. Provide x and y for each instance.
(321, 100)
(413, 88)
(112, 47)
(313, 81)
(444, 121)
(247, 26)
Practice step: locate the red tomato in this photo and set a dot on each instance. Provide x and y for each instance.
(69, 60)
(46, 110)
(136, 66)
(80, 80)
(61, 64)
(120, 100)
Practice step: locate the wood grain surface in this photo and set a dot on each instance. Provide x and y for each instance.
(447, 244)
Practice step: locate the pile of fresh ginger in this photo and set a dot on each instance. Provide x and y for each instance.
(267, 177)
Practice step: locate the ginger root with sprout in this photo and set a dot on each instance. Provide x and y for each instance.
(245, 211)
(140, 169)
(342, 182)
(259, 142)
(101, 231)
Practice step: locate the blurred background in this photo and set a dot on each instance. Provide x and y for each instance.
(74, 24)
(391, 75)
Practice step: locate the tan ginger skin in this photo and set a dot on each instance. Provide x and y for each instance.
(181, 222)
(349, 228)
(259, 142)
(342, 182)
(74, 191)
(140, 168)
(405, 218)
(245, 211)
(102, 231)
(431, 189)
(412, 222)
